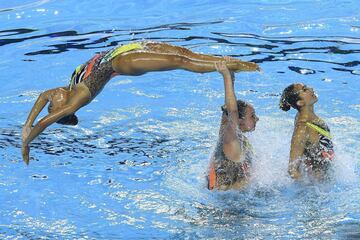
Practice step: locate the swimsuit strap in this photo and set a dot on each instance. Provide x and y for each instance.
(90, 65)
(212, 177)
(83, 71)
(77, 75)
(319, 130)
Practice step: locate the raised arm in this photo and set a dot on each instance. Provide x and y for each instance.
(231, 146)
(297, 150)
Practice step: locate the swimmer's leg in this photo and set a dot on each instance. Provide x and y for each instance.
(160, 47)
(176, 50)
(137, 63)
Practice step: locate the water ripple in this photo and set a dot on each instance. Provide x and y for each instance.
(267, 49)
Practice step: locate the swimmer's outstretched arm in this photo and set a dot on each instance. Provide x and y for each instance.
(297, 150)
(40, 103)
(77, 99)
(231, 146)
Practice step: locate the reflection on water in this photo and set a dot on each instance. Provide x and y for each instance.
(276, 49)
(13, 6)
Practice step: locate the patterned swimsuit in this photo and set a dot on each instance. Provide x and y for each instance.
(223, 172)
(96, 72)
(319, 157)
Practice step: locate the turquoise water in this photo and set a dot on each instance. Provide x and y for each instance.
(135, 165)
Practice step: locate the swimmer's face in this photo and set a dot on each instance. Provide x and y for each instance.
(306, 94)
(248, 122)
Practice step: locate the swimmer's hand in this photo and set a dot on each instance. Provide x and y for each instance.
(222, 68)
(25, 153)
(25, 133)
(295, 174)
(25, 147)
(230, 59)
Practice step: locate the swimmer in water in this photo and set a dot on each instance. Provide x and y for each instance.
(230, 164)
(88, 80)
(312, 150)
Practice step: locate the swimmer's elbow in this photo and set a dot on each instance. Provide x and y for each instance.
(43, 97)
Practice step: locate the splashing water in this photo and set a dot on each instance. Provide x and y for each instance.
(135, 165)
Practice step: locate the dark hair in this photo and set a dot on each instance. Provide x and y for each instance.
(69, 120)
(289, 98)
(241, 108)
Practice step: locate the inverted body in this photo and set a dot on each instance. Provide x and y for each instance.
(90, 78)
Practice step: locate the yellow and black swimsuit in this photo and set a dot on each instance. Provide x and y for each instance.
(320, 156)
(96, 72)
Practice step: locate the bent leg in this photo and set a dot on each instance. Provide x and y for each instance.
(138, 63)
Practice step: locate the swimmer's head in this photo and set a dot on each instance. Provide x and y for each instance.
(247, 116)
(69, 120)
(296, 96)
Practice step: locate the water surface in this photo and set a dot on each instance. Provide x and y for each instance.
(135, 165)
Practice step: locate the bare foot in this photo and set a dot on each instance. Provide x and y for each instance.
(247, 66)
(237, 65)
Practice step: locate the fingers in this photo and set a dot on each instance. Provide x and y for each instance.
(218, 66)
(221, 67)
(25, 150)
(25, 147)
(229, 59)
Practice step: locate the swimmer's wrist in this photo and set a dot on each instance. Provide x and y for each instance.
(226, 73)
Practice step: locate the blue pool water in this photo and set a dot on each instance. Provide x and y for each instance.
(134, 167)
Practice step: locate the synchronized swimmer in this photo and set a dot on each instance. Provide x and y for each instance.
(89, 79)
(230, 167)
(230, 164)
(312, 150)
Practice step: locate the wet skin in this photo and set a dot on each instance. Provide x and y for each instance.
(157, 57)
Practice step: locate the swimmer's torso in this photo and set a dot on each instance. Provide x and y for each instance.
(318, 157)
(225, 173)
(96, 72)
